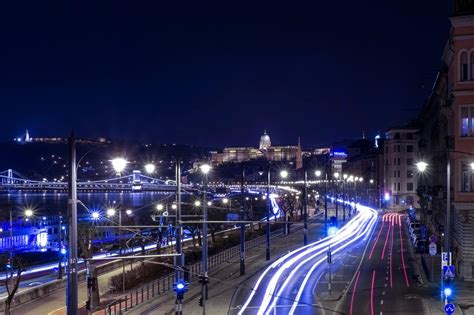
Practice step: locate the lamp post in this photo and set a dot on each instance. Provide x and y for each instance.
(344, 177)
(205, 169)
(179, 261)
(267, 250)
(242, 225)
(72, 268)
(336, 176)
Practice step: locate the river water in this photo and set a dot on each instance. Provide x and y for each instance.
(51, 203)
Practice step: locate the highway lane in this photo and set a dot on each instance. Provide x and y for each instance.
(384, 284)
(286, 286)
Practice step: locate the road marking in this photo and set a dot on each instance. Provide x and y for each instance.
(354, 292)
(377, 239)
(386, 241)
(372, 293)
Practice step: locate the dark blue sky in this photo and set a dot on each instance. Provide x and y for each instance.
(217, 73)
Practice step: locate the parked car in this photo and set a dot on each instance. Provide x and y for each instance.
(415, 235)
(421, 246)
(414, 226)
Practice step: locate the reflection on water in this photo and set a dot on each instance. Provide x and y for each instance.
(52, 202)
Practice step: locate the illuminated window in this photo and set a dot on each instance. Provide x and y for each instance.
(464, 70)
(467, 121)
(467, 178)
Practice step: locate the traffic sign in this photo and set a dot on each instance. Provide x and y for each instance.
(445, 259)
(329, 258)
(433, 238)
(448, 272)
(449, 308)
(433, 249)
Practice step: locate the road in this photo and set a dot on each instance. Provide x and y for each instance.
(384, 283)
(287, 285)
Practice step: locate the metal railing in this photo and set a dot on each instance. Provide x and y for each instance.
(165, 284)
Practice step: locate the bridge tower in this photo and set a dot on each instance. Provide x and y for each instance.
(9, 176)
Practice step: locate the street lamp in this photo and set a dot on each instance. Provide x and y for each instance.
(28, 213)
(205, 169)
(119, 164)
(128, 212)
(111, 212)
(159, 207)
(197, 203)
(284, 174)
(95, 215)
(421, 166)
(150, 168)
(317, 173)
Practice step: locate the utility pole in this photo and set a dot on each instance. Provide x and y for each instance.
(337, 197)
(242, 225)
(305, 209)
(60, 243)
(204, 244)
(343, 202)
(326, 204)
(179, 261)
(267, 251)
(448, 207)
(71, 289)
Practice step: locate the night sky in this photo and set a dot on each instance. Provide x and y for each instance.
(217, 73)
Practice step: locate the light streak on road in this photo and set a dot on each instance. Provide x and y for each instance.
(270, 281)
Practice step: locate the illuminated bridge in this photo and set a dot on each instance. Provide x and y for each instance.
(135, 182)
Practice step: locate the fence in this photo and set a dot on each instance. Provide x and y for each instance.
(164, 284)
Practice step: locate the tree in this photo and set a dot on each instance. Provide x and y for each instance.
(14, 267)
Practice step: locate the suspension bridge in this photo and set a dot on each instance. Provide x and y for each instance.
(11, 180)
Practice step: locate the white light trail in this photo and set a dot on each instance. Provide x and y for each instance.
(354, 230)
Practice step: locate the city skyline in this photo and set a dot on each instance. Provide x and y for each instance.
(122, 73)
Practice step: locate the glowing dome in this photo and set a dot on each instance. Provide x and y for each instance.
(265, 142)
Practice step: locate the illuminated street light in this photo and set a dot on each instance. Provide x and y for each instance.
(284, 174)
(119, 164)
(264, 197)
(28, 213)
(174, 206)
(225, 201)
(205, 168)
(345, 176)
(95, 215)
(150, 168)
(110, 212)
(209, 203)
(371, 181)
(317, 173)
(421, 166)
(336, 175)
(159, 207)
(128, 212)
(361, 179)
(197, 203)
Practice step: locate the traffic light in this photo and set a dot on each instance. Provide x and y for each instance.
(201, 301)
(8, 264)
(180, 287)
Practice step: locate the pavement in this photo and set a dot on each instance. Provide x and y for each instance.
(226, 282)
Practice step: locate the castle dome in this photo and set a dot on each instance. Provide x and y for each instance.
(265, 142)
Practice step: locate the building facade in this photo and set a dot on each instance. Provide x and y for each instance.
(264, 151)
(459, 59)
(400, 156)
